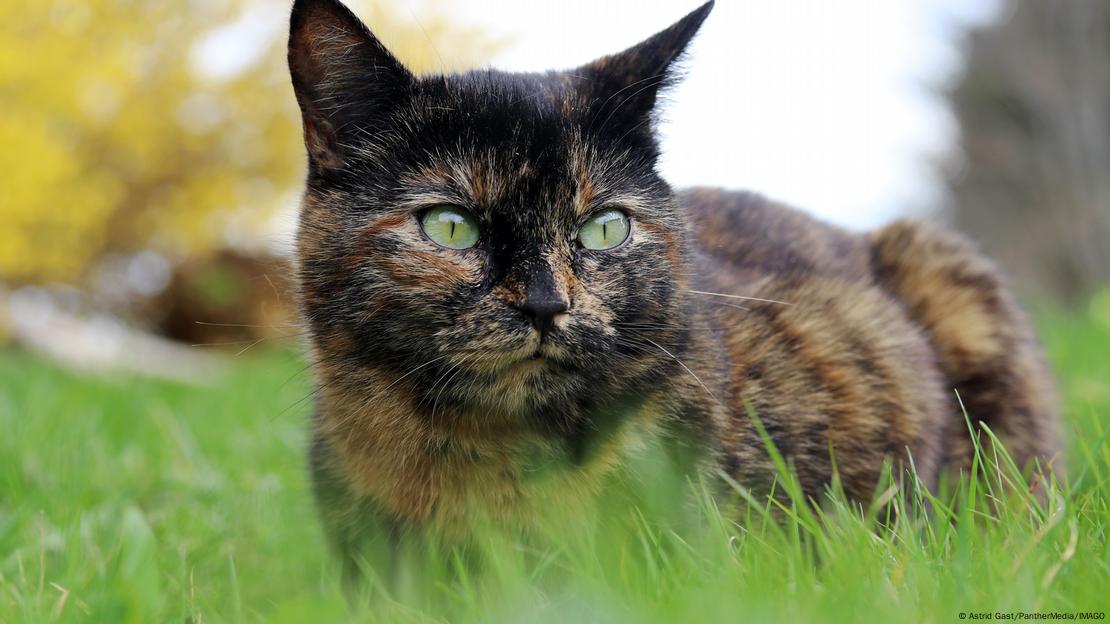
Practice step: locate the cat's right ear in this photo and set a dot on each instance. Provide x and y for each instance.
(344, 78)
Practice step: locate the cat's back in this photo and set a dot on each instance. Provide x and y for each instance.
(751, 237)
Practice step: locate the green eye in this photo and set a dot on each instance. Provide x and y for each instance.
(605, 229)
(451, 227)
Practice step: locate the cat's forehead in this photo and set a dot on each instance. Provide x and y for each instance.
(517, 91)
(491, 107)
(494, 137)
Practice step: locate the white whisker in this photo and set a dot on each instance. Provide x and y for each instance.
(396, 381)
(728, 305)
(713, 294)
(683, 365)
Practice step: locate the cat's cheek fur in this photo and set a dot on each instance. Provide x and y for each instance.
(426, 270)
(659, 242)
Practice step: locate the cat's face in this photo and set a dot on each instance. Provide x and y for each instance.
(488, 239)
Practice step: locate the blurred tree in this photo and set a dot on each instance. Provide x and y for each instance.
(1032, 178)
(116, 138)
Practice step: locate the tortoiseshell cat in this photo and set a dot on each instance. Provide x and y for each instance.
(496, 278)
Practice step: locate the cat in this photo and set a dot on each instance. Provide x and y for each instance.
(506, 301)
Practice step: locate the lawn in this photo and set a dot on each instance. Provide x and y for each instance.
(131, 500)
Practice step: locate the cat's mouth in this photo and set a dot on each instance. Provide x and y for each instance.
(527, 365)
(531, 355)
(543, 357)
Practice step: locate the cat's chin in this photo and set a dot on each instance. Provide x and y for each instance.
(528, 371)
(524, 369)
(526, 386)
(535, 363)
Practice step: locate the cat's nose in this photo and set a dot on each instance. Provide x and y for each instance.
(543, 299)
(543, 311)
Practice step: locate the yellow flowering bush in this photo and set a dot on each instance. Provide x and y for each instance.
(115, 136)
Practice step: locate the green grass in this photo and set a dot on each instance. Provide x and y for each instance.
(129, 500)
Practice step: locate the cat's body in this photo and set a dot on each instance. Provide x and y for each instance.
(491, 381)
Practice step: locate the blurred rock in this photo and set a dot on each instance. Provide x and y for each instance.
(231, 299)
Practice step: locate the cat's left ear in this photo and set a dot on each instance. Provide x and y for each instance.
(627, 84)
(345, 80)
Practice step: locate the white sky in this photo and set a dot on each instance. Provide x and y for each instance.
(825, 104)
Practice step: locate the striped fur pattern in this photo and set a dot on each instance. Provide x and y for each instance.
(440, 408)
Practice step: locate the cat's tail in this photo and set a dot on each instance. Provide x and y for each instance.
(984, 343)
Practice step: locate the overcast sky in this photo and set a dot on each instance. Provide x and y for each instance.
(824, 104)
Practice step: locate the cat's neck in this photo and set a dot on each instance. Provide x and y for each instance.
(428, 469)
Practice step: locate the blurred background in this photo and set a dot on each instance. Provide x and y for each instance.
(151, 157)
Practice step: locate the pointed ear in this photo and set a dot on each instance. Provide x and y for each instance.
(627, 84)
(343, 76)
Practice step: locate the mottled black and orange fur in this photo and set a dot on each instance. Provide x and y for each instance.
(439, 407)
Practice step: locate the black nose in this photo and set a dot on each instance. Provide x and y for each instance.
(542, 312)
(543, 300)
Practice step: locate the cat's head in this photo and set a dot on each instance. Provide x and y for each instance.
(487, 238)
